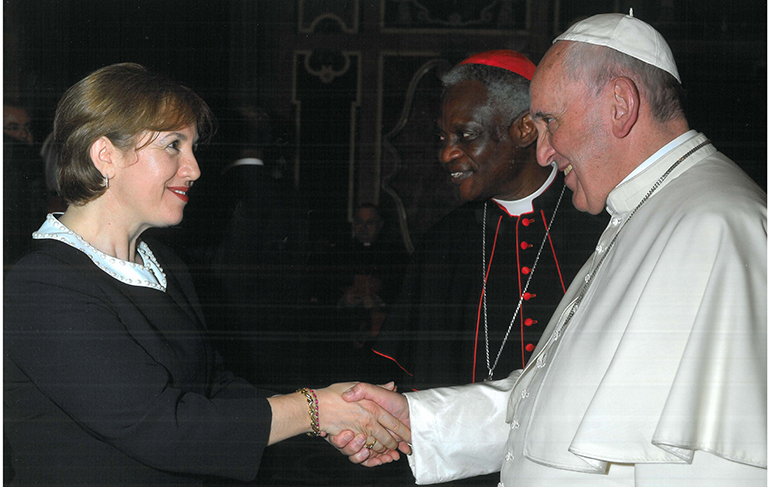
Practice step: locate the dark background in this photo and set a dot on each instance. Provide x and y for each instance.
(233, 51)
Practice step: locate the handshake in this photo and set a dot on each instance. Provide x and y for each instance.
(367, 423)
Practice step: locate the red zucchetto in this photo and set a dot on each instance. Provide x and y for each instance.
(505, 59)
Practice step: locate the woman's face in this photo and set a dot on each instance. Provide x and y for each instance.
(150, 185)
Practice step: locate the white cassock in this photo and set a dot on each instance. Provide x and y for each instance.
(660, 377)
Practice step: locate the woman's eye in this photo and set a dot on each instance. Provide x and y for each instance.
(174, 145)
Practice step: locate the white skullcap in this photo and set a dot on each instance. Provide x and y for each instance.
(626, 34)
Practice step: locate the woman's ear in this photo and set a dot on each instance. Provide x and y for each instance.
(103, 156)
(523, 131)
(625, 106)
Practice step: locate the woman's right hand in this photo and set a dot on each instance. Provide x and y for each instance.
(352, 445)
(336, 415)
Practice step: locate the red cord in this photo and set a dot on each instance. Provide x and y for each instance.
(394, 360)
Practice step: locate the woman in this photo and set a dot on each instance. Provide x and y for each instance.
(109, 376)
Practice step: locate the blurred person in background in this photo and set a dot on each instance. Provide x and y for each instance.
(24, 198)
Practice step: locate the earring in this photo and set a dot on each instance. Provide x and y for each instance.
(106, 182)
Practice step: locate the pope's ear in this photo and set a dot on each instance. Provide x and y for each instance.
(625, 106)
(523, 131)
(103, 154)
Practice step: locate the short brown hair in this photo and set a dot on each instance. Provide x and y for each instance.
(120, 102)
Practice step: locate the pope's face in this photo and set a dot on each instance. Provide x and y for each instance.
(475, 147)
(150, 185)
(571, 132)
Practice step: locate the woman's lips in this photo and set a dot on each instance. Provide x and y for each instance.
(180, 193)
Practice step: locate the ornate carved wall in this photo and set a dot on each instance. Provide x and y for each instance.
(364, 90)
(352, 65)
(353, 82)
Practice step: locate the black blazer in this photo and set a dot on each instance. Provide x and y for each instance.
(117, 384)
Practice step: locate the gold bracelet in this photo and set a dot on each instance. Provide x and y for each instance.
(312, 404)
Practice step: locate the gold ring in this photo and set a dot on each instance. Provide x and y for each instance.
(371, 445)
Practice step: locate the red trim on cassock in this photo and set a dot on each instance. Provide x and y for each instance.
(553, 251)
(518, 298)
(481, 301)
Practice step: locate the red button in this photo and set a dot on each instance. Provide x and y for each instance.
(529, 347)
(528, 295)
(525, 270)
(529, 322)
(525, 245)
(527, 221)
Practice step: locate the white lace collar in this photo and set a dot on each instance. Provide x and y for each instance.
(148, 275)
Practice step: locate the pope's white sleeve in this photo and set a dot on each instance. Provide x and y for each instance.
(460, 431)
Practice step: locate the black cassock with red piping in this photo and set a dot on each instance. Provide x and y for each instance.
(435, 334)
